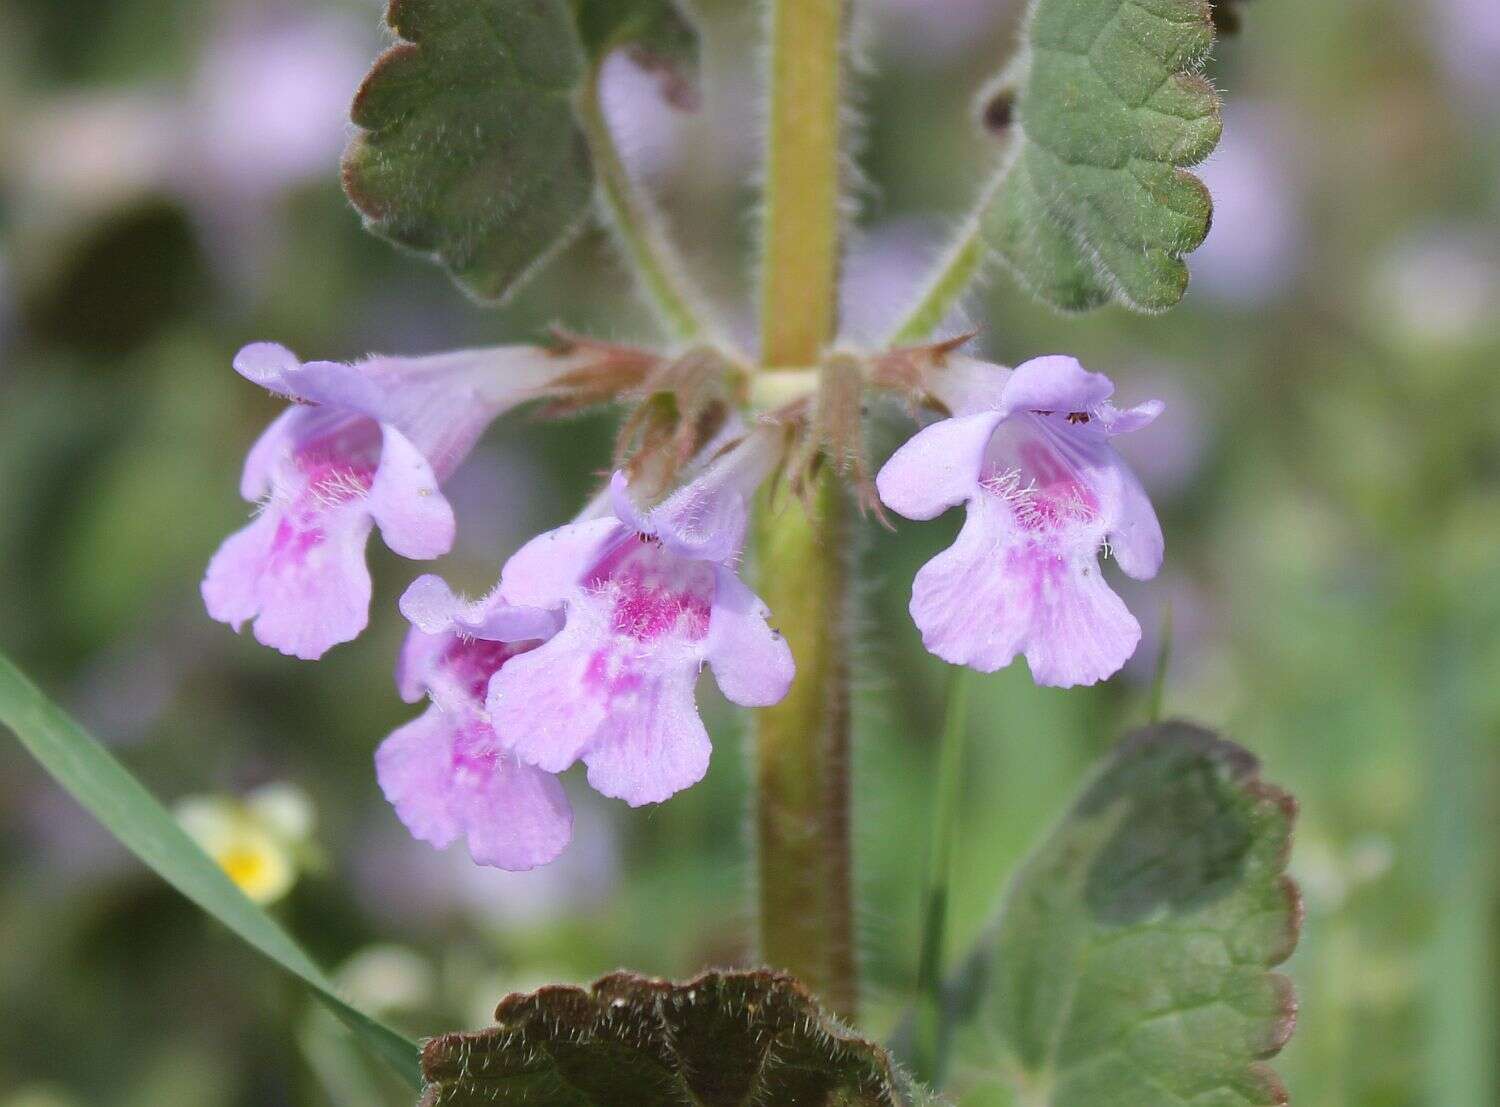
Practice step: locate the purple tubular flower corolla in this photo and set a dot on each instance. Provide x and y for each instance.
(445, 772)
(647, 599)
(1028, 452)
(367, 444)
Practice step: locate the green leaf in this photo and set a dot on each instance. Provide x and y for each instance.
(470, 151)
(722, 1038)
(1108, 108)
(102, 785)
(1130, 964)
(656, 29)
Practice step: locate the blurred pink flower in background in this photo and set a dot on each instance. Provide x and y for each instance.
(269, 103)
(934, 30)
(648, 130)
(81, 154)
(884, 272)
(1253, 250)
(405, 884)
(1195, 628)
(265, 111)
(1169, 460)
(1441, 284)
(1466, 34)
(7, 312)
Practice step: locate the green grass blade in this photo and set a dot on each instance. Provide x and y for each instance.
(932, 1032)
(128, 811)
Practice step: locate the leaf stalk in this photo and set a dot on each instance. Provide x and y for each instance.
(638, 225)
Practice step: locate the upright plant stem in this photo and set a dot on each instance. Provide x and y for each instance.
(803, 762)
(802, 750)
(929, 1054)
(638, 225)
(800, 243)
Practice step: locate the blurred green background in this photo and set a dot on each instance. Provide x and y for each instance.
(1328, 474)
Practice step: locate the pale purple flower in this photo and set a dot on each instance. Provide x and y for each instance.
(1029, 455)
(1254, 251)
(935, 31)
(268, 107)
(1467, 35)
(647, 600)
(445, 772)
(369, 444)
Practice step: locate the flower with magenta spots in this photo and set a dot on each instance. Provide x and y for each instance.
(1028, 452)
(366, 444)
(646, 599)
(445, 772)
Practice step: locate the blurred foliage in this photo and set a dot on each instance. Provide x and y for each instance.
(1328, 475)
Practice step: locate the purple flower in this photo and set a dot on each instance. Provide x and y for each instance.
(370, 443)
(646, 601)
(445, 772)
(1030, 457)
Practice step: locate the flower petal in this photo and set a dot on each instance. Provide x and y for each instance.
(623, 505)
(652, 743)
(937, 467)
(231, 587)
(444, 782)
(1053, 383)
(415, 768)
(271, 449)
(1081, 632)
(1115, 421)
(414, 517)
(1135, 537)
(1125, 514)
(547, 705)
(752, 663)
(969, 609)
(307, 587)
(966, 385)
(548, 569)
(518, 818)
(419, 655)
(430, 604)
(270, 365)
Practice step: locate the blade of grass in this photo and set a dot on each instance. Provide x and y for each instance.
(1163, 663)
(932, 1031)
(107, 790)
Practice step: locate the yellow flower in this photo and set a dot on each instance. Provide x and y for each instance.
(257, 840)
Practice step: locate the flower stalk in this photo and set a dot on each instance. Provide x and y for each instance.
(803, 759)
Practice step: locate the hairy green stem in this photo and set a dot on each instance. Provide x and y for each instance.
(800, 235)
(806, 906)
(638, 225)
(959, 268)
(930, 1045)
(802, 753)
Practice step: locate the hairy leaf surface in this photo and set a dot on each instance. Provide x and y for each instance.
(1131, 963)
(469, 150)
(1104, 110)
(720, 1040)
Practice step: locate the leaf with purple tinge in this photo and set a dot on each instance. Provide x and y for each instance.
(1132, 960)
(722, 1039)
